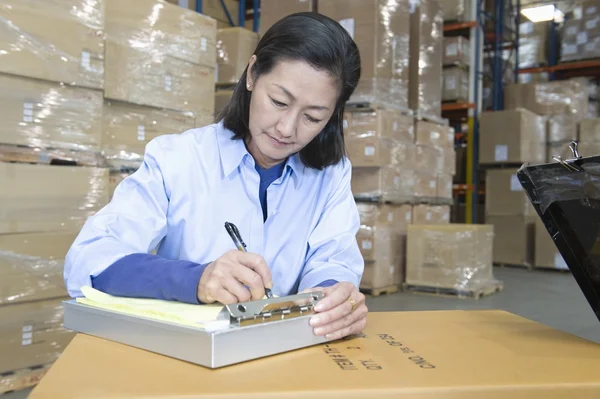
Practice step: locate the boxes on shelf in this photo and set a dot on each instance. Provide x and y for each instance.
(505, 195)
(380, 151)
(387, 183)
(127, 128)
(434, 134)
(222, 98)
(514, 239)
(431, 214)
(547, 255)
(235, 46)
(381, 32)
(455, 10)
(589, 130)
(426, 48)
(444, 186)
(174, 70)
(453, 256)
(456, 84)
(38, 198)
(513, 136)
(380, 123)
(272, 11)
(397, 216)
(533, 44)
(55, 41)
(456, 51)
(581, 35)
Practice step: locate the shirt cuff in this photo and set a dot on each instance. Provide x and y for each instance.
(326, 283)
(189, 289)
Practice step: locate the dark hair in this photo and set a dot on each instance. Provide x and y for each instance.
(325, 45)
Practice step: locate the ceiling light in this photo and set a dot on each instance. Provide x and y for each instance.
(543, 13)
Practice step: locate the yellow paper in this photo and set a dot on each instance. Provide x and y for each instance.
(169, 311)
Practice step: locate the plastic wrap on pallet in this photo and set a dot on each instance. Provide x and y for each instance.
(235, 46)
(452, 256)
(433, 134)
(161, 55)
(456, 51)
(380, 151)
(379, 123)
(581, 38)
(425, 185)
(31, 335)
(429, 159)
(431, 214)
(562, 127)
(37, 198)
(444, 186)
(455, 10)
(426, 50)
(386, 183)
(382, 248)
(47, 115)
(59, 41)
(391, 215)
(127, 128)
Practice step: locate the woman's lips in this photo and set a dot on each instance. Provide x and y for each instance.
(277, 142)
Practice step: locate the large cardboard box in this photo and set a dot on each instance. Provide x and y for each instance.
(456, 84)
(380, 123)
(381, 32)
(49, 115)
(383, 249)
(272, 11)
(222, 98)
(426, 53)
(434, 134)
(514, 239)
(395, 216)
(32, 334)
(454, 256)
(382, 274)
(31, 266)
(513, 136)
(505, 195)
(456, 10)
(235, 46)
(429, 159)
(431, 214)
(174, 70)
(37, 198)
(59, 41)
(533, 44)
(441, 354)
(425, 185)
(444, 186)
(213, 8)
(127, 128)
(589, 130)
(547, 255)
(388, 183)
(380, 151)
(456, 51)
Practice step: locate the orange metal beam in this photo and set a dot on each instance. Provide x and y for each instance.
(459, 26)
(567, 66)
(449, 107)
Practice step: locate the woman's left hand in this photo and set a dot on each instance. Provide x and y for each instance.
(340, 313)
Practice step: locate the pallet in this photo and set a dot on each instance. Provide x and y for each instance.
(514, 266)
(390, 289)
(475, 293)
(551, 269)
(49, 156)
(22, 379)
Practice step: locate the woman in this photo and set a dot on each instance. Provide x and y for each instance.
(273, 166)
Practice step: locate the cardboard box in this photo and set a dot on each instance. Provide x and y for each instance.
(382, 274)
(505, 195)
(398, 354)
(380, 123)
(49, 115)
(444, 186)
(448, 160)
(426, 50)
(457, 51)
(455, 10)
(127, 128)
(235, 46)
(533, 44)
(429, 159)
(387, 183)
(546, 253)
(222, 98)
(38, 198)
(513, 136)
(425, 185)
(589, 130)
(433, 134)
(272, 11)
(379, 151)
(381, 243)
(514, 239)
(454, 256)
(31, 334)
(456, 84)
(431, 214)
(212, 8)
(31, 266)
(561, 128)
(394, 216)
(174, 70)
(55, 41)
(381, 32)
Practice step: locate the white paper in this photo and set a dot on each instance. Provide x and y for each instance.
(184, 3)
(27, 328)
(501, 153)
(390, 216)
(526, 28)
(348, 24)
(432, 184)
(203, 44)
(397, 181)
(28, 335)
(591, 24)
(85, 59)
(434, 136)
(571, 31)
(367, 244)
(369, 151)
(451, 83)
(582, 38)
(408, 217)
(452, 50)
(559, 262)
(26, 342)
(589, 46)
(27, 112)
(345, 123)
(392, 269)
(591, 10)
(168, 82)
(569, 49)
(428, 216)
(141, 133)
(395, 126)
(515, 185)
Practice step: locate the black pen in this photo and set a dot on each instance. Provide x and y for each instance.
(234, 233)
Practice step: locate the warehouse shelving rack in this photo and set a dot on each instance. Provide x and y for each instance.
(243, 12)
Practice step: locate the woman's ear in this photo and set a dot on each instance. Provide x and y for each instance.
(249, 79)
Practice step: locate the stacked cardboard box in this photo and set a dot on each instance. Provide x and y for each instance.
(508, 209)
(455, 10)
(533, 44)
(452, 256)
(456, 84)
(381, 31)
(589, 137)
(547, 255)
(272, 11)
(581, 32)
(235, 46)
(456, 51)
(213, 9)
(436, 160)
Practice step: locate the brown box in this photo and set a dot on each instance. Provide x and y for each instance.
(547, 255)
(431, 214)
(444, 186)
(589, 130)
(513, 136)
(381, 32)
(456, 84)
(49, 115)
(388, 183)
(448, 160)
(212, 8)
(562, 127)
(380, 123)
(433, 134)
(222, 98)
(129, 127)
(272, 11)
(174, 70)
(31, 266)
(425, 184)
(55, 41)
(504, 194)
(381, 243)
(426, 50)
(456, 51)
(382, 274)
(379, 151)
(37, 198)
(235, 46)
(455, 10)
(394, 216)
(514, 239)
(455, 256)
(533, 44)
(429, 159)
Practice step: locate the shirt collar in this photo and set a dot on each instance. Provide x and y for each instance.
(232, 153)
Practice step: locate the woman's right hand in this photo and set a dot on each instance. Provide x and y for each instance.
(235, 277)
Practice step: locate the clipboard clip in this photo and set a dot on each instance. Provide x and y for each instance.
(571, 163)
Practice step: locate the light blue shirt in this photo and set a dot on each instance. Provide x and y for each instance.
(190, 184)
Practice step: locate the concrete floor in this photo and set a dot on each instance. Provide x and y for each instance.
(552, 298)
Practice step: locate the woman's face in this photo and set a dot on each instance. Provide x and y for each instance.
(288, 107)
